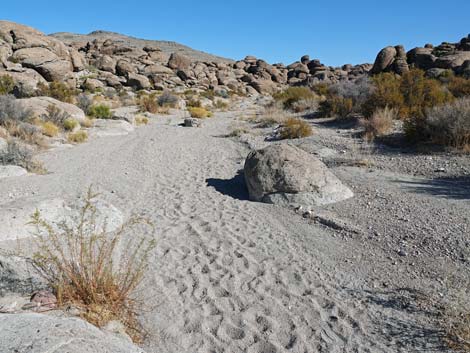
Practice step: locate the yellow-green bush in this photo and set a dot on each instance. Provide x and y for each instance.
(7, 84)
(295, 128)
(78, 137)
(70, 124)
(57, 90)
(294, 94)
(100, 111)
(50, 129)
(199, 113)
(141, 120)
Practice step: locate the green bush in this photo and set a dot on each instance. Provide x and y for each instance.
(7, 84)
(57, 90)
(70, 124)
(100, 111)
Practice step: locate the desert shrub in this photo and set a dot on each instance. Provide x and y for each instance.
(77, 137)
(209, 94)
(294, 94)
(220, 104)
(20, 155)
(357, 91)
(100, 111)
(386, 93)
(70, 124)
(193, 102)
(295, 128)
(141, 120)
(87, 123)
(57, 90)
(459, 86)
(86, 268)
(167, 99)
(380, 123)
(272, 116)
(148, 103)
(7, 84)
(49, 129)
(84, 102)
(322, 89)
(55, 115)
(199, 113)
(447, 125)
(11, 111)
(336, 106)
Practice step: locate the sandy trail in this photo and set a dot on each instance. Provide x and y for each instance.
(229, 275)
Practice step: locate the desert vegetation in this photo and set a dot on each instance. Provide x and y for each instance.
(82, 263)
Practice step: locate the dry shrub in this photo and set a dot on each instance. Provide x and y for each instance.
(70, 124)
(148, 103)
(336, 106)
(57, 90)
(292, 95)
(26, 132)
(459, 86)
(84, 265)
(11, 111)
(295, 128)
(193, 102)
(78, 137)
(84, 102)
(49, 129)
(448, 125)
(87, 123)
(141, 120)
(167, 99)
(21, 155)
(7, 84)
(56, 115)
(199, 113)
(220, 105)
(272, 116)
(379, 124)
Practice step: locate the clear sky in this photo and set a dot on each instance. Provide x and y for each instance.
(334, 31)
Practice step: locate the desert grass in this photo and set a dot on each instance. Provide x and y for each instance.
(77, 137)
(199, 113)
(85, 267)
(295, 128)
(379, 124)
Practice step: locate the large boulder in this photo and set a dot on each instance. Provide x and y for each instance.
(26, 81)
(178, 62)
(286, 175)
(39, 105)
(138, 82)
(384, 60)
(39, 333)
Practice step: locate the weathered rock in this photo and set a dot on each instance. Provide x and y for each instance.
(106, 63)
(138, 82)
(92, 84)
(178, 62)
(384, 60)
(3, 146)
(452, 61)
(192, 122)
(400, 65)
(421, 58)
(55, 70)
(124, 68)
(18, 276)
(41, 333)
(286, 175)
(26, 81)
(38, 106)
(125, 113)
(107, 127)
(9, 171)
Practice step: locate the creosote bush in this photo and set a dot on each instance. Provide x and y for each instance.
(199, 113)
(100, 111)
(295, 128)
(77, 137)
(94, 270)
(7, 84)
(379, 124)
(292, 95)
(448, 125)
(57, 90)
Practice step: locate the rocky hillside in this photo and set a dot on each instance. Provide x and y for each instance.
(166, 47)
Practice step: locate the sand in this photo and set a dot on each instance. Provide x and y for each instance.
(230, 275)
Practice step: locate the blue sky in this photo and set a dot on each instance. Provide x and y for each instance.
(336, 32)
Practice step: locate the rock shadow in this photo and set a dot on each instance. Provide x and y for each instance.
(457, 188)
(234, 187)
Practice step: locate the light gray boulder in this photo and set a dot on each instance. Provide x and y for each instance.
(286, 175)
(192, 122)
(39, 333)
(38, 106)
(9, 171)
(18, 276)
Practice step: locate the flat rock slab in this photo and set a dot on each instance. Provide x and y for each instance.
(107, 127)
(14, 217)
(39, 333)
(8, 171)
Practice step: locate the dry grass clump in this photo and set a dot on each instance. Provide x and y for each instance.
(11, 111)
(77, 137)
(167, 99)
(84, 265)
(449, 125)
(7, 84)
(141, 120)
(272, 116)
(87, 123)
(49, 129)
(199, 113)
(295, 128)
(149, 103)
(459, 86)
(57, 90)
(220, 105)
(379, 124)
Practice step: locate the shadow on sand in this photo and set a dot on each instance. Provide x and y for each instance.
(457, 188)
(234, 187)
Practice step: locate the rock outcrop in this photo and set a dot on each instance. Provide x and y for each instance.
(286, 175)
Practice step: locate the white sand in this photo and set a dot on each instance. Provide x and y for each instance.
(228, 275)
